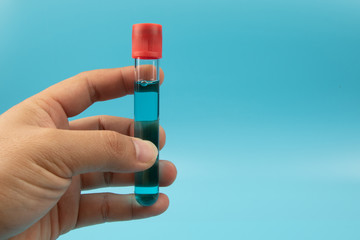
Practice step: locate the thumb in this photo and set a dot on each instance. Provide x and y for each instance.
(76, 152)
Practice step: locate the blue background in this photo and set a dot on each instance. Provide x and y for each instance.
(260, 104)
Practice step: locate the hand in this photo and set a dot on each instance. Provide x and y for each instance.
(45, 160)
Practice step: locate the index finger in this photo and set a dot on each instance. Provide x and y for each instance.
(79, 92)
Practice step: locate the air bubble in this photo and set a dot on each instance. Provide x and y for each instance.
(143, 83)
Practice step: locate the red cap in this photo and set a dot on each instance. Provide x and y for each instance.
(147, 41)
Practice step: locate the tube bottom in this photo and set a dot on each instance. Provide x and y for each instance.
(146, 196)
(146, 199)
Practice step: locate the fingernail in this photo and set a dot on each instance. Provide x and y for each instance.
(145, 150)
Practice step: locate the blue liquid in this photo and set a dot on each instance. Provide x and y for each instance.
(147, 128)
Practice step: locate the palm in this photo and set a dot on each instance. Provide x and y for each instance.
(60, 219)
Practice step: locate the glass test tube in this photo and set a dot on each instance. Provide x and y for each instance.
(146, 41)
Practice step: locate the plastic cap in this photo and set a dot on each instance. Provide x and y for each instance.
(147, 41)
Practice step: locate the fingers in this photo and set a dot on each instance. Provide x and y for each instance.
(167, 175)
(107, 207)
(118, 124)
(77, 93)
(76, 152)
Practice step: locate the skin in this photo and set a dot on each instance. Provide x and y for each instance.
(45, 160)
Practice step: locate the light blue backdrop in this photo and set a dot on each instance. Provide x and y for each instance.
(261, 104)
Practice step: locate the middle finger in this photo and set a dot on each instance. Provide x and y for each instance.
(117, 124)
(167, 175)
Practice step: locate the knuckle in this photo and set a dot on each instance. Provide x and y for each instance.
(105, 207)
(108, 178)
(83, 74)
(93, 93)
(116, 145)
(102, 119)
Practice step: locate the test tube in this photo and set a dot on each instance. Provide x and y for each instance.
(147, 51)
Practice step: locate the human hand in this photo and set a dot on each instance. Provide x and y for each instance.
(45, 160)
